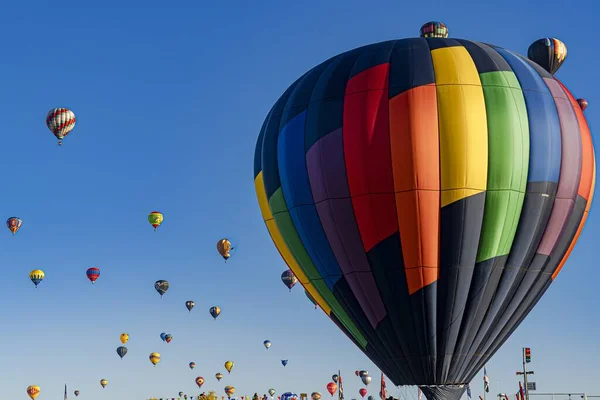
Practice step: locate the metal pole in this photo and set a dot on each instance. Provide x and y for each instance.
(525, 376)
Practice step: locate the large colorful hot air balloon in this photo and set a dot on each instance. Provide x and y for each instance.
(219, 376)
(215, 311)
(199, 381)
(549, 53)
(224, 247)
(33, 391)
(161, 287)
(103, 382)
(92, 274)
(154, 358)
(155, 218)
(429, 191)
(124, 338)
(331, 388)
(229, 366)
(36, 276)
(189, 305)
(14, 224)
(61, 122)
(289, 279)
(121, 351)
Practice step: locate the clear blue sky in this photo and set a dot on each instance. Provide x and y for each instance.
(170, 97)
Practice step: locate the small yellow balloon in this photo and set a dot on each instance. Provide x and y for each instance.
(36, 276)
(33, 391)
(224, 247)
(124, 338)
(103, 382)
(154, 358)
(155, 218)
(229, 366)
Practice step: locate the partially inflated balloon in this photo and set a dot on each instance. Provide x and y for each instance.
(189, 305)
(161, 287)
(103, 382)
(289, 279)
(154, 358)
(229, 366)
(121, 351)
(61, 122)
(124, 338)
(93, 274)
(36, 276)
(33, 391)
(199, 381)
(14, 224)
(155, 218)
(215, 311)
(549, 53)
(426, 193)
(331, 388)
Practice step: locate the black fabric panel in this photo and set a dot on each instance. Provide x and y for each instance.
(459, 240)
(386, 261)
(443, 392)
(371, 56)
(326, 108)
(485, 58)
(410, 66)
(537, 206)
(440, 43)
(258, 148)
(424, 309)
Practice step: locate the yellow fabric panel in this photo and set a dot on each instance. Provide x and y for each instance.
(462, 125)
(285, 252)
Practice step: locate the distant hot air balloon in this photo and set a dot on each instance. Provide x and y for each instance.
(33, 391)
(224, 248)
(76, 393)
(362, 392)
(163, 336)
(103, 382)
(363, 373)
(199, 381)
(168, 338)
(284, 362)
(267, 344)
(366, 379)
(357, 373)
(155, 218)
(61, 122)
(154, 358)
(434, 29)
(370, 398)
(548, 53)
(583, 103)
(161, 287)
(36, 276)
(311, 299)
(189, 305)
(192, 365)
(215, 311)
(124, 338)
(219, 376)
(331, 388)
(14, 224)
(335, 378)
(289, 279)
(315, 396)
(393, 200)
(121, 351)
(92, 274)
(180, 394)
(271, 392)
(229, 366)
(229, 391)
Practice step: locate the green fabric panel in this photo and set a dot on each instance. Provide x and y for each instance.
(289, 234)
(508, 162)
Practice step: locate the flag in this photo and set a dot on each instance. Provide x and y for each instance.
(469, 391)
(382, 391)
(65, 391)
(486, 381)
(521, 391)
(341, 386)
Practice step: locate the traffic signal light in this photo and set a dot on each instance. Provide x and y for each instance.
(527, 354)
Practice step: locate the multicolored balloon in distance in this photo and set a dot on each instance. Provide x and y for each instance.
(215, 311)
(103, 382)
(315, 396)
(61, 122)
(229, 366)
(335, 378)
(121, 351)
(124, 338)
(168, 338)
(271, 392)
(434, 29)
(199, 381)
(76, 393)
(229, 391)
(37, 276)
(154, 358)
(289, 279)
(548, 53)
(267, 344)
(583, 103)
(33, 391)
(155, 218)
(192, 365)
(189, 305)
(366, 379)
(161, 286)
(93, 274)
(331, 387)
(14, 224)
(219, 376)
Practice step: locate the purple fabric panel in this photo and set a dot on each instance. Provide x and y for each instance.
(570, 169)
(327, 176)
